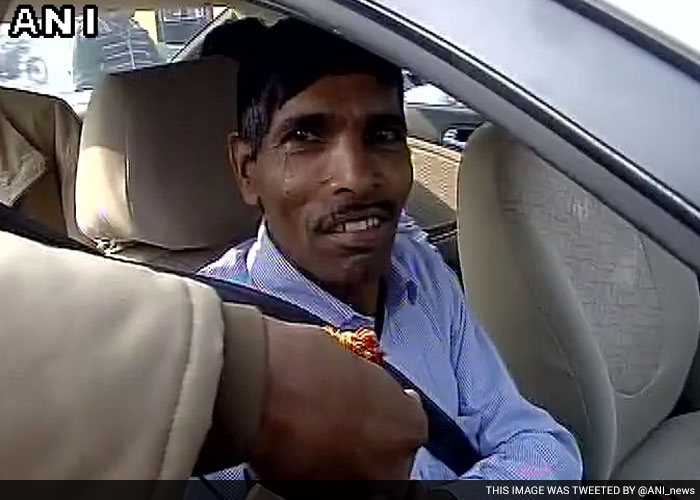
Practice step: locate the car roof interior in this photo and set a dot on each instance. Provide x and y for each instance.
(152, 183)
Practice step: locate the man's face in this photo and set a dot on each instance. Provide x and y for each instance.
(331, 176)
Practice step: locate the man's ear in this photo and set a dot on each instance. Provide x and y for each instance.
(239, 154)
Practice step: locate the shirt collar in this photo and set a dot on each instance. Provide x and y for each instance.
(271, 272)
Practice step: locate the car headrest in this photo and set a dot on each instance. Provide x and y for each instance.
(153, 165)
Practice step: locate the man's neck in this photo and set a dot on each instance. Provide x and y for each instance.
(363, 300)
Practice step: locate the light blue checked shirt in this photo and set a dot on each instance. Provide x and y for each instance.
(431, 337)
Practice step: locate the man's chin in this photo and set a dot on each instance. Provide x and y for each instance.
(337, 263)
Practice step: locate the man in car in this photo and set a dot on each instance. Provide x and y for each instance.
(322, 151)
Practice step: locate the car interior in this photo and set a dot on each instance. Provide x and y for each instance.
(596, 322)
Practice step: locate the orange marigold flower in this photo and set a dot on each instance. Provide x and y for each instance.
(362, 342)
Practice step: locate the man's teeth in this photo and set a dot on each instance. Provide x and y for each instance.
(356, 226)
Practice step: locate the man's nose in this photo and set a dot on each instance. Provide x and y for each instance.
(352, 169)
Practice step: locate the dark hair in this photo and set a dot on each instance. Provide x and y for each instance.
(293, 56)
(235, 39)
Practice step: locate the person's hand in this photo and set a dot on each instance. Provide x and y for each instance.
(329, 414)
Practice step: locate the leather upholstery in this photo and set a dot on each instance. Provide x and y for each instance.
(670, 453)
(153, 165)
(596, 322)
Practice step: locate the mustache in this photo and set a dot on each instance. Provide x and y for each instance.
(384, 210)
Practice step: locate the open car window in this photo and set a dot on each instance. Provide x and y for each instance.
(417, 90)
(128, 39)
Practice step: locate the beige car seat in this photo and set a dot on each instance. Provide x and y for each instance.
(39, 137)
(154, 182)
(596, 322)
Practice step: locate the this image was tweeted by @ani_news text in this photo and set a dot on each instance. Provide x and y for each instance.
(594, 489)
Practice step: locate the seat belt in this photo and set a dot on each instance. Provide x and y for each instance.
(446, 440)
(12, 221)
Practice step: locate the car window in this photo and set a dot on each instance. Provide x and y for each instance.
(435, 116)
(429, 94)
(417, 90)
(128, 39)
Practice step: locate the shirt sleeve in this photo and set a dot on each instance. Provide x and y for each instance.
(517, 439)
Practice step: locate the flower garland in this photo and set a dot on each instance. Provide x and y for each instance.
(362, 342)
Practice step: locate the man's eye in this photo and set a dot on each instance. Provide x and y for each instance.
(303, 135)
(386, 136)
